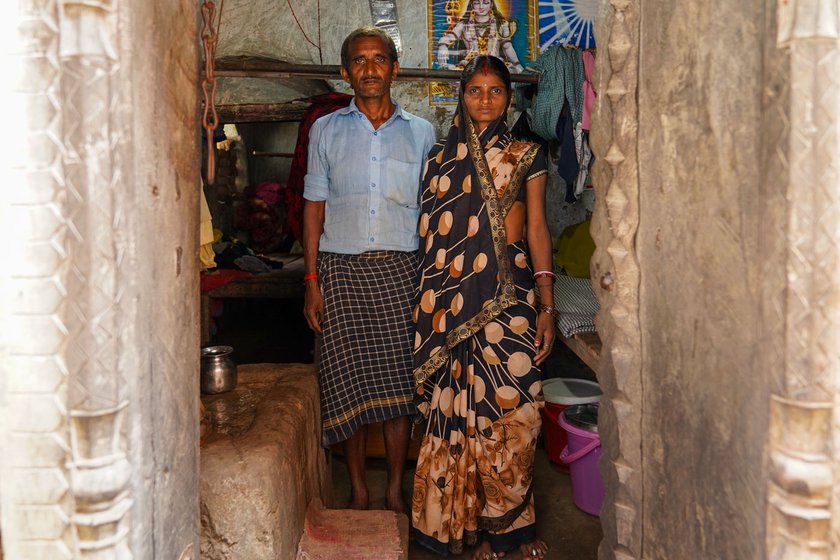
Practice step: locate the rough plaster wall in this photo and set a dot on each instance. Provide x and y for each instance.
(162, 232)
(700, 250)
(268, 28)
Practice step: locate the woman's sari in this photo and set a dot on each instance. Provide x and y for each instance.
(474, 346)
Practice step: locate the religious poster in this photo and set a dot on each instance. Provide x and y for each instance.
(460, 30)
(567, 22)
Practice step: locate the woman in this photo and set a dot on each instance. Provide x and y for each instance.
(484, 31)
(481, 330)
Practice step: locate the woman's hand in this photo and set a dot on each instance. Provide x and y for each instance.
(544, 339)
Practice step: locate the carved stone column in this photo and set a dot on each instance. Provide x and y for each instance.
(615, 275)
(804, 509)
(99, 390)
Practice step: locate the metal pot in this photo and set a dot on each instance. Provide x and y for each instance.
(218, 370)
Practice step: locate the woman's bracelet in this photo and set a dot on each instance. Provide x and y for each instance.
(550, 309)
(545, 274)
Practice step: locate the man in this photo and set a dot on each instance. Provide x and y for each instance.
(360, 235)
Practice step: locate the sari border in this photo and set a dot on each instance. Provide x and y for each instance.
(522, 167)
(496, 524)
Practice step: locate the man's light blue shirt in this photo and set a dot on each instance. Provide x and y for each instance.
(370, 179)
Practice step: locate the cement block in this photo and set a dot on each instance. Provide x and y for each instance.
(261, 463)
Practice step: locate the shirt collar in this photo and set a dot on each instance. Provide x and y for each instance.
(398, 110)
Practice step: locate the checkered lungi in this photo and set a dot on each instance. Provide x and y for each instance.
(366, 354)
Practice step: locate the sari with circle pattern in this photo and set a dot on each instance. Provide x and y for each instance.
(475, 319)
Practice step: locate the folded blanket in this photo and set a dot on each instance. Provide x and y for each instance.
(575, 300)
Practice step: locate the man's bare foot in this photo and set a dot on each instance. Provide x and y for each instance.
(358, 501)
(534, 549)
(484, 552)
(395, 502)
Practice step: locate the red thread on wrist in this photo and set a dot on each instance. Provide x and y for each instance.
(312, 276)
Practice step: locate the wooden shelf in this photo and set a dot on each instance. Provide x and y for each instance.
(587, 347)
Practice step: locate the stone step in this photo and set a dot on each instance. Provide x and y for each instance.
(349, 534)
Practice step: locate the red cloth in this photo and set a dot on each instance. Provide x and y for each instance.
(321, 105)
(222, 276)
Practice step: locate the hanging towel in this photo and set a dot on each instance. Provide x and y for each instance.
(561, 82)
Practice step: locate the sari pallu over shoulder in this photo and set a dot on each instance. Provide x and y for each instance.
(466, 273)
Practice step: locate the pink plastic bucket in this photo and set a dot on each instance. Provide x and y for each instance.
(560, 393)
(581, 454)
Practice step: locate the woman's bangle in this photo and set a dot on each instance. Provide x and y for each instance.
(550, 309)
(311, 276)
(545, 273)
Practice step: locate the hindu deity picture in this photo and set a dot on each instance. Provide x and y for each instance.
(462, 29)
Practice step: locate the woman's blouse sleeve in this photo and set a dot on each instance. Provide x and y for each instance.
(538, 167)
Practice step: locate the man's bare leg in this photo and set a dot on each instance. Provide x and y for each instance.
(396, 431)
(355, 451)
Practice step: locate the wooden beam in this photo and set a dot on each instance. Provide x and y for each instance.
(262, 112)
(252, 67)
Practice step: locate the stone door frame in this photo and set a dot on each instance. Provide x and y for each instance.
(802, 63)
(98, 294)
(615, 275)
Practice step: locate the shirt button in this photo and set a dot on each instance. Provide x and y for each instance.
(373, 158)
(373, 185)
(373, 211)
(376, 134)
(371, 238)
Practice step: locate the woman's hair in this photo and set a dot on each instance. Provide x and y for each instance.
(386, 39)
(486, 63)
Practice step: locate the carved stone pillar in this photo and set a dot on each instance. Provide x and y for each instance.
(615, 275)
(99, 392)
(804, 509)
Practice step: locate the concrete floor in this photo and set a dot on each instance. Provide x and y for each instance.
(570, 533)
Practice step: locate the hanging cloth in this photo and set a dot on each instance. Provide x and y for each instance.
(205, 234)
(589, 94)
(321, 105)
(561, 82)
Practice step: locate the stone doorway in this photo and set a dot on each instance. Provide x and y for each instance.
(717, 228)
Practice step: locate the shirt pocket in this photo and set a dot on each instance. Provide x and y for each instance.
(403, 183)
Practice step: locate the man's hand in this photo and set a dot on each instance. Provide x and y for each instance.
(313, 307)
